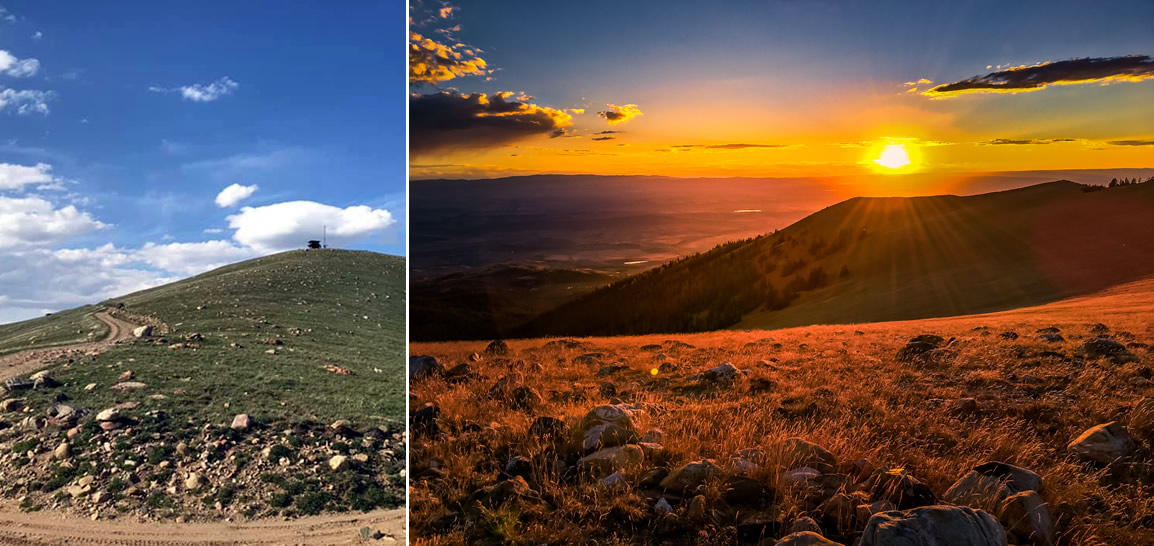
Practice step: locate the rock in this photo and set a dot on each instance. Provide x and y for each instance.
(662, 507)
(605, 426)
(506, 490)
(611, 459)
(744, 491)
(62, 452)
(653, 436)
(805, 538)
(615, 480)
(422, 367)
(691, 475)
(110, 414)
(934, 526)
(503, 388)
(802, 475)
(498, 347)
(804, 523)
(128, 385)
(607, 389)
(1052, 338)
(143, 331)
(916, 349)
(525, 398)
(895, 486)
(1104, 443)
(1028, 518)
(12, 404)
(547, 429)
(799, 452)
(338, 463)
(721, 373)
(963, 405)
(424, 420)
(1142, 422)
(45, 381)
(193, 481)
(987, 484)
(932, 339)
(696, 510)
(1009, 335)
(241, 422)
(1107, 348)
(13, 384)
(62, 415)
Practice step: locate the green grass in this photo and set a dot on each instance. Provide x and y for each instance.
(64, 328)
(348, 308)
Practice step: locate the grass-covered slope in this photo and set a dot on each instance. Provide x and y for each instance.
(876, 259)
(66, 328)
(309, 344)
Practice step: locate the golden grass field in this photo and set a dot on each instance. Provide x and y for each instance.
(840, 387)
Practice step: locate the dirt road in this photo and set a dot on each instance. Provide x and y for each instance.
(26, 362)
(46, 528)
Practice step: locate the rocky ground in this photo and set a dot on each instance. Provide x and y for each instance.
(129, 457)
(1021, 428)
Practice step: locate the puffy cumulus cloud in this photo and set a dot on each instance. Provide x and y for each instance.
(10, 65)
(33, 221)
(15, 177)
(33, 281)
(25, 101)
(206, 92)
(620, 114)
(431, 62)
(1032, 78)
(282, 226)
(193, 258)
(233, 194)
(448, 121)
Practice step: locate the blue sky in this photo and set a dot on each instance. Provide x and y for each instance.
(122, 122)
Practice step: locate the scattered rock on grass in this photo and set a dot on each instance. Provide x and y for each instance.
(934, 526)
(1104, 443)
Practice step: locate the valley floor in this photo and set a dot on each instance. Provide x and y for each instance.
(997, 391)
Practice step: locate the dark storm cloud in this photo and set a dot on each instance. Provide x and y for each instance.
(1032, 78)
(446, 121)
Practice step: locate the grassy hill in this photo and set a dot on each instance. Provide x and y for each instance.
(296, 341)
(877, 259)
(65, 328)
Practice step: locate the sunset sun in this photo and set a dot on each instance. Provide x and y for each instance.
(893, 156)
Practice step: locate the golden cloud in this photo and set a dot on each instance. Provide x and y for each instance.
(620, 114)
(432, 62)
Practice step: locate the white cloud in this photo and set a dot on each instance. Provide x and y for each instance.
(198, 92)
(290, 224)
(233, 194)
(25, 101)
(213, 231)
(6, 15)
(193, 258)
(33, 221)
(15, 177)
(10, 65)
(38, 35)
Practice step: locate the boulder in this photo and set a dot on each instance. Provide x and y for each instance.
(1028, 518)
(338, 463)
(691, 475)
(143, 331)
(424, 420)
(547, 429)
(744, 491)
(804, 523)
(525, 398)
(241, 422)
(498, 347)
(662, 507)
(504, 387)
(1104, 443)
(696, 510)
(720, 373)
(11, 404)
(193, 481)
(898, 487)
(605, 426)
(423, 367)
(1101, 347)
(934, 526)
(607, 460)
(988, 484)
(110, 414)
(800, 452)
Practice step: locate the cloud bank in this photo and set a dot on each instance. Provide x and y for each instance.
(1033, 78)
(448, 121)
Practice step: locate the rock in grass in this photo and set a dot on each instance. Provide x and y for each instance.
(338, 463)
(800, 452)
(1104, 443)
(898, 487)
(610, 459)
(934, 526)
(988, 484)
(1107, 348)
(498, 347)
(662, 507)
(423, 367)
(241, 422)
(1028, 518)
(143, 331)
(605, 426)
(193, 481)
(691, 475)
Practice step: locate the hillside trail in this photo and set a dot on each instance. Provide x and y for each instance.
(49, 528)
(26, 362)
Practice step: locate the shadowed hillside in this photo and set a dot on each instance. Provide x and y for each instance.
(877, 259)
